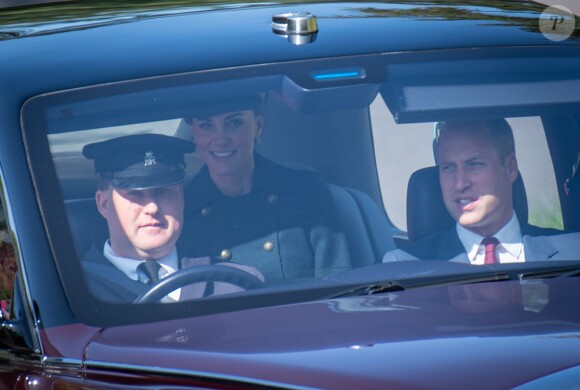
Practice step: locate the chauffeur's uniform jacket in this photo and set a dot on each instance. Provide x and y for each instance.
(108, 283)
(286, 226)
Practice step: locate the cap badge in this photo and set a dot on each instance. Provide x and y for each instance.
(149, 159)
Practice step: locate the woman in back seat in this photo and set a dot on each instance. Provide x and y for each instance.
(246, 209)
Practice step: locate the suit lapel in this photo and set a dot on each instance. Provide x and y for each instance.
(103, 272)
(538, 248)
(537, 244)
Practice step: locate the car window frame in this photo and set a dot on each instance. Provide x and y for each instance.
(46, 181)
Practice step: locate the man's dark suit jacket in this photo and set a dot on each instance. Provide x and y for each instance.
(539, 244)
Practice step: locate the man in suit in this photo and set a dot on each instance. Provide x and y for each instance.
(140, 194)
(477, 168)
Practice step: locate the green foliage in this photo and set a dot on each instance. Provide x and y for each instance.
(7, 271)
(548, 219)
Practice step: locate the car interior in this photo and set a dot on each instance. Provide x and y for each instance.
(306, 137)
(335, 129)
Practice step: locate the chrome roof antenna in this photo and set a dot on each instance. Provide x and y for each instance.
(299, 28)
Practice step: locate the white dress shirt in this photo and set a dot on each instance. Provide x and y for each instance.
(169, 264)
(509, 250)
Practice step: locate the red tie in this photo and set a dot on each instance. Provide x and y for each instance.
(490, 245)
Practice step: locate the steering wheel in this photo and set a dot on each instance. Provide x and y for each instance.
(202, 273)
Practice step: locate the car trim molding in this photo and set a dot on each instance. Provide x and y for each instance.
(30, 316)
(92, 364)
(57, 362)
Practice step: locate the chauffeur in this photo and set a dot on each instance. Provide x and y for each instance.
(140, 195)
(242, 207)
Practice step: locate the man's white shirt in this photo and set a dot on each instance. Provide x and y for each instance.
(169, 264)
(509, 250)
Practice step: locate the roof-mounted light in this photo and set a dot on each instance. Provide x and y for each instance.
(298, 27)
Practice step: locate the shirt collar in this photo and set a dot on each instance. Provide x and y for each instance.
(129, 266)
(510, 238)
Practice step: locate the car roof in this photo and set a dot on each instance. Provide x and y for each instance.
(150, 35)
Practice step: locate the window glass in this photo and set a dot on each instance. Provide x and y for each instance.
(75, 172)
(537, 171)
(401, 149)
(291, 225)
(345, 150)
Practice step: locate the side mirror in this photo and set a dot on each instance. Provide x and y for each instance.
(11, 336)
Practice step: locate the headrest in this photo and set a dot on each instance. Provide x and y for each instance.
(86, 224)
(426, 212)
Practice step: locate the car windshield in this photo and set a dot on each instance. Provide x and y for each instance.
(300, 177)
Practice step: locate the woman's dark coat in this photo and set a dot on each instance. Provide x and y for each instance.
(286, 226)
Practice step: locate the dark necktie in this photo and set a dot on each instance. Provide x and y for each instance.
(151, 269)
(490, 244)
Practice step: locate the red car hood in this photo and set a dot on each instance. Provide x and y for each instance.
(492, 335)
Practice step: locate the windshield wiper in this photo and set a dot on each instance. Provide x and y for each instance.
(575, 272)
(394, 286)
(546, 273)
(508, 272)
(370, 289)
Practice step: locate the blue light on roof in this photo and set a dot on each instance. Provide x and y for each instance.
(338, 74)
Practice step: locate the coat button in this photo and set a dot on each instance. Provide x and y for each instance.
(205, 211)
(272, 198)
(268, 246)
(226, 254)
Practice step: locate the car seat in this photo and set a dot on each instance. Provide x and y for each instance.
(368, 231)
(86, 224)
